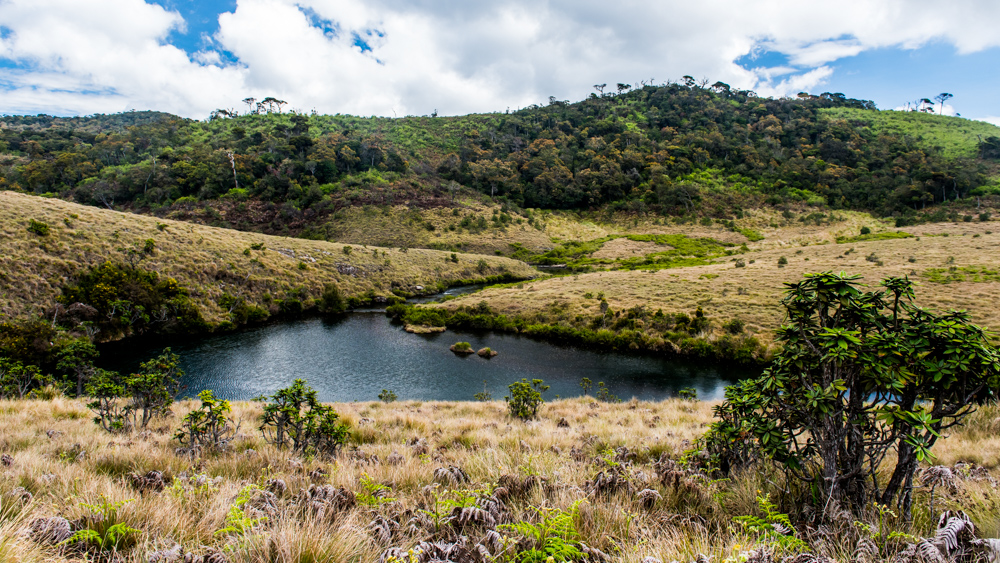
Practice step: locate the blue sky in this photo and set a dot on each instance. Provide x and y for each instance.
(396, 57)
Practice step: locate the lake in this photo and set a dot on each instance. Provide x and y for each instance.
(354, 357)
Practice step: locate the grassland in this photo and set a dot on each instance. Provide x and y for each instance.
(748, 286)
(955, 136)
(64, 461)
(208, 261)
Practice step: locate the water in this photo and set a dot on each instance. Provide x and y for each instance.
(354, 357)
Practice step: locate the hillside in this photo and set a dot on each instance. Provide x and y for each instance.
(652, 293)
(668, 150)
(210, 262)
(380, 493)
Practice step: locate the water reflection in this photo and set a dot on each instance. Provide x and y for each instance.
(353, 357)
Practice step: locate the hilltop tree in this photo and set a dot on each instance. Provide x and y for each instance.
(860, 375)
(941, 98)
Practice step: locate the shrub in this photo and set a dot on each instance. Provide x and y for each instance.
(688, 394)
(38, 228)
(482, 266)
(208, 426)
(866, 231)
(332, 300)
(734, 326)
(740, 263)
(525, 398)
(295, 419)
(918, 371)
(17, 379)
(125, 403)
(782, 262)
(387, 396)
(604, 394)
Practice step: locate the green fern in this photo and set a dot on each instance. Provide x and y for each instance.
(775, 527)
(103, 531)
(554, 536)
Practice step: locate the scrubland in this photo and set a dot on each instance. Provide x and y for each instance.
(617, 464)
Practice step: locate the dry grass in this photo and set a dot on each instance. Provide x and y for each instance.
(209, 261)
(44, 440)
(752, 293)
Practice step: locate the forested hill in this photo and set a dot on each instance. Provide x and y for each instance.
(671, 149)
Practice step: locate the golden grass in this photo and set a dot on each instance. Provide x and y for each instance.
(478, 437)
(209, 261)
(752, 293)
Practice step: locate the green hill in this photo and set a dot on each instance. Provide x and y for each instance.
(671, 150)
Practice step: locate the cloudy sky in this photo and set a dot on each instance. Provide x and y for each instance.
(396, 57)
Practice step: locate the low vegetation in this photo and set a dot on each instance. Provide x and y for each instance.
(192, 274)
(608, 480)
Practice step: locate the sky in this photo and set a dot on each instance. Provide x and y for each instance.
(412, 57)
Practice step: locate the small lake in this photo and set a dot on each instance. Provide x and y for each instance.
(354, 357)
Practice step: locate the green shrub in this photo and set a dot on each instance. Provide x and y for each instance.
(332, 300)
(525, 398)
(782, 262)
(734, 326)
(387, 396)
(865, 231)
(208, 426)
(38, 228)
(296, 419)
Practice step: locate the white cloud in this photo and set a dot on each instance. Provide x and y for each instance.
(76, 56)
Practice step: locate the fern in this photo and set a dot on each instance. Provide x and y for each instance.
(103, 531)
(554, 536)
(237, 520)
(774, 526)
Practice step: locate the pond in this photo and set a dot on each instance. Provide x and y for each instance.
(354, 357)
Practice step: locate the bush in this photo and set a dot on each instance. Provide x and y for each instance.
(17, 379)
(209, 426)
(332, 300)
(866, 231)
(126, 403)
(740, 263)
(782, 262)
(734, 326)
(387, 396)
(38, 228)
(295, 419)
(919, 373)
(525, 398)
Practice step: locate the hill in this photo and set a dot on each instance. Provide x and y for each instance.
(215, 266)
(670, 150)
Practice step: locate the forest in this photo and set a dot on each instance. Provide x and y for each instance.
(676, 149)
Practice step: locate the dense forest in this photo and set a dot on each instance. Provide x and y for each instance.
(673, 149)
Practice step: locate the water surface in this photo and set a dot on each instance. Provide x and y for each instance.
(354, 357)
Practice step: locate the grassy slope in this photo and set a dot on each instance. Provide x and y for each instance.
(693, 516)
(956, 136)
(207, 260)
(752, 293)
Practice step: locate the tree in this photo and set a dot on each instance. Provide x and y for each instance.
(493, 173)
(859, 375)
(17, 379)
(152, 389)
(77, 359)
(941, 98)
